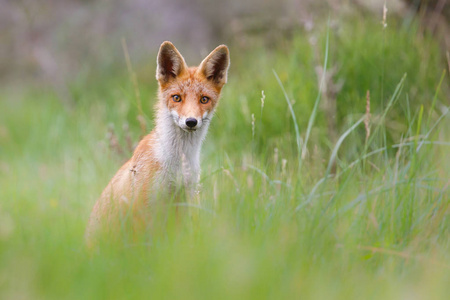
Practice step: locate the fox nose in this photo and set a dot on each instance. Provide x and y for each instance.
(191, 122)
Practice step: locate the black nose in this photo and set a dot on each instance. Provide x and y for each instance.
(191, 122)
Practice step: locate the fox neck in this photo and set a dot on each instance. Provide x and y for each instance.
(178, 151)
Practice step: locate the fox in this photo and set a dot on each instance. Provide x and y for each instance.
(170, 155)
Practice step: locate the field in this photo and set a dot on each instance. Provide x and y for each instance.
(306, 193)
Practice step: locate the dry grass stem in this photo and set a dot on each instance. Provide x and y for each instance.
(448, 61)
(253, 125)
(114, 144)
(367, 118)
(137, 93)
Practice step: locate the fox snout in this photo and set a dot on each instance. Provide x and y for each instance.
(191, 122)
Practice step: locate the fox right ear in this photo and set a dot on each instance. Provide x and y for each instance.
(215, 66)
(170, 63)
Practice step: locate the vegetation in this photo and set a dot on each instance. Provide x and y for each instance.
(305, 192)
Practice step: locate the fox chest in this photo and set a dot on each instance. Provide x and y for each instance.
(180, 170)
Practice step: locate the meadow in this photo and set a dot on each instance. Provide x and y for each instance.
(306, 193)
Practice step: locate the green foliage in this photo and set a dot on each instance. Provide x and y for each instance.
(363, 218)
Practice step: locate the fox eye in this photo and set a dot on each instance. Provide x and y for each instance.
(176, 98)
(204, 100)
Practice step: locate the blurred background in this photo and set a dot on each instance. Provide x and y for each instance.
(57, 41)
(71, 46)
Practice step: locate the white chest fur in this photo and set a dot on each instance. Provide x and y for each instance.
(178, 152)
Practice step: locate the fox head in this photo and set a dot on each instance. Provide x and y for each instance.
(190, 94)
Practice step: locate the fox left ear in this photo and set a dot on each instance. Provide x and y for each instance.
(170, 63)
(215, 66)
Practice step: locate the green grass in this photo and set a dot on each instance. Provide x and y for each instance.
(360, 219)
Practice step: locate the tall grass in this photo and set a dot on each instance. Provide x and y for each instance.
(375, 226)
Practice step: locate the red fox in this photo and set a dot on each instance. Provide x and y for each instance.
(170, 154)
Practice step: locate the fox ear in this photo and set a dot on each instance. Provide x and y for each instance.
(170, 63)
(215, 66)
